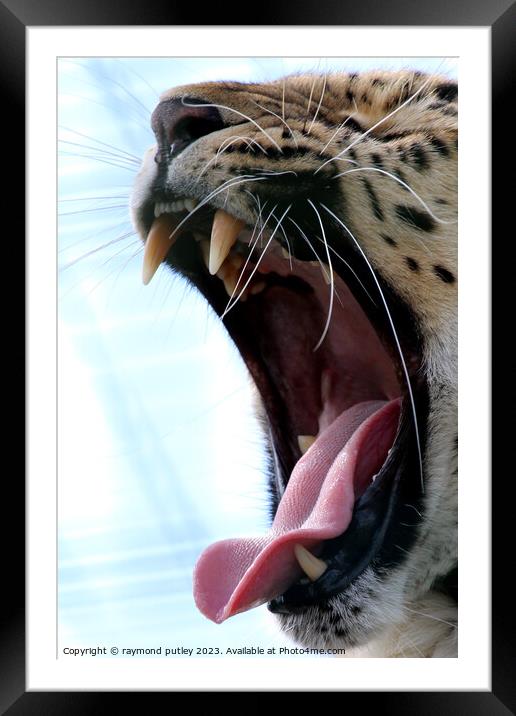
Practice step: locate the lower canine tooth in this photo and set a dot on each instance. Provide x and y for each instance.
(157, 244)
(305, 441)
(311, 565)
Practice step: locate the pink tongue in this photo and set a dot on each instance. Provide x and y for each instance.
(235, 575)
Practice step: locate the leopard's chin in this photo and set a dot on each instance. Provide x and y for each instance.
(344, 397)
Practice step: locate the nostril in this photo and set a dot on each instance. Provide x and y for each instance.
(178, 123)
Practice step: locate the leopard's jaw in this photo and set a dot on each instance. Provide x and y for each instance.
(410, 244)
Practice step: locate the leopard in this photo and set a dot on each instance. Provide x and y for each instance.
(317, 215)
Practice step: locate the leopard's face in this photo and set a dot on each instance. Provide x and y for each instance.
(317, 214)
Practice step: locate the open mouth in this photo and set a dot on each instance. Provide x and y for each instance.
(343, 395)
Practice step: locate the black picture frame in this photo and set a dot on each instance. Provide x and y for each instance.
(15, 17)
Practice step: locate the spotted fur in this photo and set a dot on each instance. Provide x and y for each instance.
(403, 123)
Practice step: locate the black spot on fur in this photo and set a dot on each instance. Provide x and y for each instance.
(377, 161)
(377, 82)
(230, 149)
(412, 264)
(440, 146)
(404, 155)
(419, 156)
(392, 136)
(444, 274)
(353, 76)
(273, 153)
(441, 201)
(365, 99)
(350, 96)
(302, 150)
(353, 125)
(288, 152)
(352, 154)
(399, 174)
(355, 609)
(340, 632)
(448, 91)
(414, 217)
(388, 240)
(375, 202)
(285, 134)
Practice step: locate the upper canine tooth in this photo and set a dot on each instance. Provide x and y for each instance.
(205, 250)
(224, 233)
(190, 204)
(311, 565)
(305, 441)
(157, 244)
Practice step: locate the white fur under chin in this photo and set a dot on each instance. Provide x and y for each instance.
(428, 631)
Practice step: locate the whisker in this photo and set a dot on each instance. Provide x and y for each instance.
(95, 198)
(337, 255)
(395, 334)
(393, 176)
(251, 249)
(99, 150)
(104, 144)
(135, 99)
(320, 103)
(228, 142)
(235, 182)
(281, 119)
(309, 102)
(341, 126)
(430, 616)
(96, 208)
(332, 278)
(377, 124)
(241, 114)
(98, 159)
(97, 249)
(228, 308)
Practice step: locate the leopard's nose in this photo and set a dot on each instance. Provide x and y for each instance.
(179, 122)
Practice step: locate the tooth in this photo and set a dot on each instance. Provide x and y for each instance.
(157, 210)
(311, 565)
(157, 245)
(224, 233)
(190, 204)
(257, 288)
(236, 260)
(205, 250)
(305, 441)
(326, 385)
(285, 253)
(230, 282)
